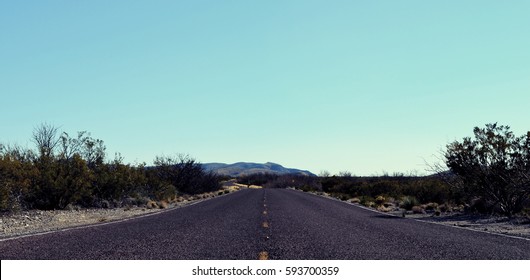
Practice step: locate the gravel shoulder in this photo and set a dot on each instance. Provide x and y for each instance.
(39, 221)
(516, 226)
(36, 221)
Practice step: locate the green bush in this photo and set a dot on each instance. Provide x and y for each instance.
(408, 202)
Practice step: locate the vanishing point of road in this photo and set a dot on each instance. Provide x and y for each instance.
(267, 224)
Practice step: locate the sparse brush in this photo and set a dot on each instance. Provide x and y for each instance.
(444, 208)
(526, 212)
(151, 204)
(355, 200)
(379, 200)
(367, 201)
(383, 208)
(163, 204)
(220, 192)
(417, 210)
(408, 202)
(141, 201)
(105, 204)
(431, 206)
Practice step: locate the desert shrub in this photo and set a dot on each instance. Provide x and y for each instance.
(417, 210)
(408, 202)
(165, 192)
(341, 196)
(526, 212)
(380, 200)
(364, 199)
(494, 166)
(444, 208)
(431, 206)
(367, 201)
(385, 187)
(370, 204)
(302, 182)
(151, 204)
(105, 204)
(184, 173)
(16, 173)
(427, 190)
(478, 205)
(163, 204)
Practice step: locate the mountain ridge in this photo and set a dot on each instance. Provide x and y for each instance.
(247, 168)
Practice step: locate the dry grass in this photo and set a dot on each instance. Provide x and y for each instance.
(370, 204)
(417, 210)
(384, 209)
(380, 200)
(431, 206)
(408, 202)
(263, 255)
(163, 204)
(151, 204)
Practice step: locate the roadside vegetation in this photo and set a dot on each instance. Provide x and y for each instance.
(488, 173)
(65, 172)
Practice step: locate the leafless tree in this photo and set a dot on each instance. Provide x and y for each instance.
(345, 174)
(45, 137)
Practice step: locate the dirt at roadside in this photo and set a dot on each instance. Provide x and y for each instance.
(36, 221)
(516, 226)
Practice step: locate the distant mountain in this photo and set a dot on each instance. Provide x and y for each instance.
(247, 168)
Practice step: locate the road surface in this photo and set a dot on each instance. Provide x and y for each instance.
(267, 224)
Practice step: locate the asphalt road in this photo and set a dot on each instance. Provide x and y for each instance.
(267, 223)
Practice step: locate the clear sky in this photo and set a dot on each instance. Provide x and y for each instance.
(363, 86)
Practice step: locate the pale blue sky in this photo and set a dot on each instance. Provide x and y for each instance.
(363, 86)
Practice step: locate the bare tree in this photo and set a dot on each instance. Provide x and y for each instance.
(346, 174)
(45, 137)
(71, 146)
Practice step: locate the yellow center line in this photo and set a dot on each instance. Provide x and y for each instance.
(265, 224)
